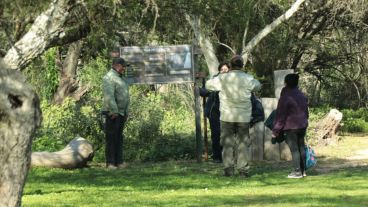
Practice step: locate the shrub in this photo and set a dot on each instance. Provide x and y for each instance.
(159, 127)
(355, 121)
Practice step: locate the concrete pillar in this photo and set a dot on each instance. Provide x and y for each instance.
(279, 76)
(271, 151)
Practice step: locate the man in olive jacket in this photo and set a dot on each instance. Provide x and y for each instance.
(235, 89)
(116, 104)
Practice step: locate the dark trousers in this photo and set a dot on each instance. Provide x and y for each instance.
(114, 140)
(295, 140)
(215, 136)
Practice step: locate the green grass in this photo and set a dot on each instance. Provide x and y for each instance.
(187, 183)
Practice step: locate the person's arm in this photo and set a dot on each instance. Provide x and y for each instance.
(281, 115)
(109, 98)
(214, 84)
(255, 85)
(204, 92)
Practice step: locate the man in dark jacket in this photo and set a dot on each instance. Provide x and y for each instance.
(116, 105)
(212, 112)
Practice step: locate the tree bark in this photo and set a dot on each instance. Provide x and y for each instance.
(269, 28)
(68, 84)
(48, 28)
(20, 115)
(327, 128)
(75, 155)
(205, 44)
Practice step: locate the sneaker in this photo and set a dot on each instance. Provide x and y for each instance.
(228, 171)
(111, 167)
(244, 174)
(295, 174)
(304, 174)
(122, 165)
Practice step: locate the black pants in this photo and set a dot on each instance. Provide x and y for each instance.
(295, 140)
(215, 136)
(114, 140)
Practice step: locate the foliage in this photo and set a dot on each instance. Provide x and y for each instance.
(43, 74)
(355, 120)
(159, 127)
(62, 123)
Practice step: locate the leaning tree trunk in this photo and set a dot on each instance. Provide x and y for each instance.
(68, 84)
(328, 126)
(268, 29)
(75, 155)
(209, 51)
(205, 44)
(20, 112)
(20, 115)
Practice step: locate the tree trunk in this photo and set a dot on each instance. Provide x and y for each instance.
(327, 128)
(20, 115)
(268, 29)
(68, 85)
(205, 44)
(75, 155)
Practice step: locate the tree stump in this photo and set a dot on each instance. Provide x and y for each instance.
(75, 155)
(327, 128)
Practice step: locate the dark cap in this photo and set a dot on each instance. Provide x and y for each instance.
(236, 61)
(120, 61)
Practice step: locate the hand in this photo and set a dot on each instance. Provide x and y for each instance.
(273, 136)
(114, 116)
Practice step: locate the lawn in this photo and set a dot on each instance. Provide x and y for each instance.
(187, 183)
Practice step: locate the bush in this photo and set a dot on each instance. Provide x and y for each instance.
(62, 123)
(159, 127)
(355, 121)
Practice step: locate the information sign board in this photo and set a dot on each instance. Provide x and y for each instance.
(159, 64)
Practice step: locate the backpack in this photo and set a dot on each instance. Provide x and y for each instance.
(257, 110)
(310, 157)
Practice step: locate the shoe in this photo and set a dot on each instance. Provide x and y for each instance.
(295, 174)
(122, 165)
(228, 172)
(111, 167)
(216, 161)
(304, 174)
(244, 174)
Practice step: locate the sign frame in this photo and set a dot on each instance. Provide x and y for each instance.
(159, 64)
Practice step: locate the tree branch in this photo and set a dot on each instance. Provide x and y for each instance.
(48, 27)
(269, 28)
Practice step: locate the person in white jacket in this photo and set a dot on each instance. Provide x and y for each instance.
(235, 89)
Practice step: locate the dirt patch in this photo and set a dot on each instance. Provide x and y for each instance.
(357, 156)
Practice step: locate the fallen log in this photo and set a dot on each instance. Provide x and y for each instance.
(75, 155)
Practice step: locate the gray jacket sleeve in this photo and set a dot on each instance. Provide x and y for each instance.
(109, 95)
